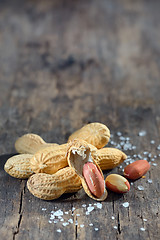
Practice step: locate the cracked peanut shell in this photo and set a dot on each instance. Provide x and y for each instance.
(78, 155)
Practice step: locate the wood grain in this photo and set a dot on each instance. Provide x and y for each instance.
(67, 63)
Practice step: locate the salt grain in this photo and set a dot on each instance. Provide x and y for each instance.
(83, 205)
(115, 227)
(119, 134)
(142, 133)
(90, 209)
(158, 148)
(144, 219)
(113, 217)
(99, 205)
(82, 225)
(149, 181)
(140, 188)
(152, 142)
(70, 220)
(65, 224)
(58, 213)
(96, 229)
(91, 224)
(142, 229)
(59, 230)
(126, 204)
(154, 164)
(44, 209)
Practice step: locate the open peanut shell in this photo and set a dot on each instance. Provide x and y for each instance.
(78, 154)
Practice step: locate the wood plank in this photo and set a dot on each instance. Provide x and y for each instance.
(64, 64)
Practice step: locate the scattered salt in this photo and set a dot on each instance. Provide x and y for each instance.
(58, 213)
(83, 205)
(50, 221)
(140, 188)
(115, 227)
(90, 224)
(77, 214)
(59, 230)
(158, 148)
(152, 142)
(66, 212)
(70, 220)
(113, 217)
(44, 209)
(82, 225)
(65, 224)
(149, 181)
(145, 153)
(142, 133)
(90, 209)
(96, 229)
(99, 205)
(142, 229)
(126, 204)
(144, 219)
(154, 164)
(119, 134)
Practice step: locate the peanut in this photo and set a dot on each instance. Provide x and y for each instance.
(31, 143)
(93, 179)
(96, 134)
(108, 158)
(117, 183)
(49, 187)
(19, 166)
(79, 156)
(50, 160)
(136, 169)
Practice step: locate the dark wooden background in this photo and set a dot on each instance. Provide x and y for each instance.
(67, 63)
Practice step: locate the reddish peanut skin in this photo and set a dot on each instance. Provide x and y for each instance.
(136, 169)
(121, 184)
(93, 179)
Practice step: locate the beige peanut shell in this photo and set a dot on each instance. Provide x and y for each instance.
(109, 158)
(50, 160)
(18, 166)
(31, 143)
(78, 154)
(49, 187)
(96, 134)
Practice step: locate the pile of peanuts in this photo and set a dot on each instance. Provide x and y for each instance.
(55, 169)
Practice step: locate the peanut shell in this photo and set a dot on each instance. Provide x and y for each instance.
(31, 143)
(109, 158)
(78, 154)
(49, 187)
(50, 160)
(18, 166)
(96, 134)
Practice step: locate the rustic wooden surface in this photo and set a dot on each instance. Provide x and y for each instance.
(67, 63)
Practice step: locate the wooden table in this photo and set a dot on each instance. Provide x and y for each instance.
(67, 63)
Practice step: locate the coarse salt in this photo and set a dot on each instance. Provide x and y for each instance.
(140, 188)
(125, 204)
